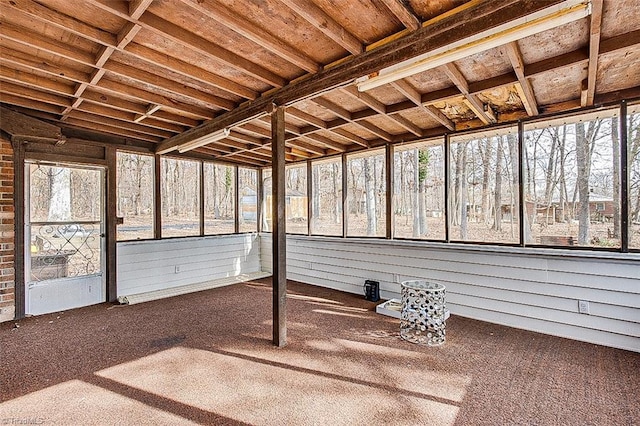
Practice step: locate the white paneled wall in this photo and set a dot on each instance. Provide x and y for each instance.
(532, 289)
(160, 264)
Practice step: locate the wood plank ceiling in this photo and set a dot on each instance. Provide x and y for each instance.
(158, 73)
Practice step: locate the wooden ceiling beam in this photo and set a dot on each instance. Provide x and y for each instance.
(24, 126)
(32, 104)
(64, 22)
(35, 94)
(525, 90)
(471, 100)
(325, 23)
(350, 136)
(407, 124)
(139, 128)
(149, 79)
(311, 147)
(16, 59)
(181, 36)
(307, 118)
(450, 29)
(381, 108)
(116, 130)
(366, 99)
(146, 97)
(403, 14)
(116, 102)
(32, 80)
(346, 115)
(329, 143)
(255, 130)
(256, 34)
(138, 7)
(107, 111)
(595, 23)
(188, 70)
(241, 137)
(28, 38)
(414, 96)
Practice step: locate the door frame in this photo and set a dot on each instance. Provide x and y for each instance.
(76, 290)
(80, 152)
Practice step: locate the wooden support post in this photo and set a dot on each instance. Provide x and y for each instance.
(236, 200)
(447, 179)
(345, 197)
(201, 201)
(624, 179)
(111, 224)
(259, 192)
(279, 227)
(388, 150)
(522, 208)
(310, 184)
(157, 198)
(19, 212)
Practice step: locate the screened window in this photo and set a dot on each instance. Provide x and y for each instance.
(366, 194)
(633, 155)
(135, 195)
(180, 188)
(219, 199)
(418, 201)
(572, 187)
(296, 199)
(483, 188)
(326, 197)
(248, 203)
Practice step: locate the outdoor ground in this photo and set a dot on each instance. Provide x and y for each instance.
(207, 358)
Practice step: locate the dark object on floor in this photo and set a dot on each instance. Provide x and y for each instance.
(372, 290)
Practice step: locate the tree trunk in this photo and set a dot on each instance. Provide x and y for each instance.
(315, 197)
(416, 197)
(423, 157)
(615, 138)
(486, 162)
(337, 200)
(60, 205)
(497, 217)
(582, 159)
(369, 187)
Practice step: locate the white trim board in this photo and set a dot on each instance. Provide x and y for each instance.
(132, 299)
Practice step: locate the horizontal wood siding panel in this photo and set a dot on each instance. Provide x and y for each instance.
(151, 265)
(537, 291)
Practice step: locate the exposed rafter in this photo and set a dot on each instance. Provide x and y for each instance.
(483, 112)
(525, 91)
(325, 23)
(595, 22)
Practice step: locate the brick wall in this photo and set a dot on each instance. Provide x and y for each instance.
(7, 278)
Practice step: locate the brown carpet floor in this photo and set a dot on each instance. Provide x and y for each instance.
(207, 358)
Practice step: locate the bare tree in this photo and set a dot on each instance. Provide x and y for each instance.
(615, 138)
(370, 187)
(497, 217)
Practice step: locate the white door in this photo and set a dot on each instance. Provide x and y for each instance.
(64, 235)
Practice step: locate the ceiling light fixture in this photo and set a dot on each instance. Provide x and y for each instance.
(204, 140)
(545, 19)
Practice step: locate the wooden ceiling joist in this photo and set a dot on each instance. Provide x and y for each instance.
(483, 112)
(256, 34)
(403, 14)
(189, 70)
(595, 23)
(525, 90)
(325, 23)
(220, 54)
